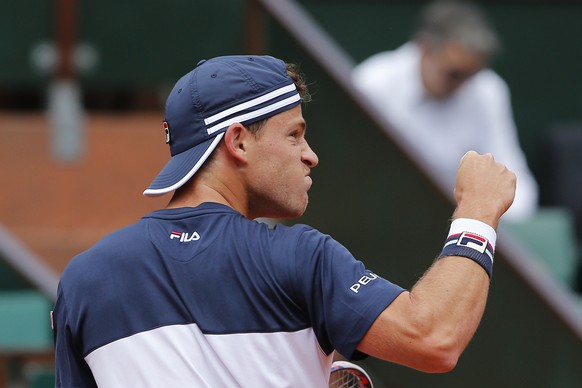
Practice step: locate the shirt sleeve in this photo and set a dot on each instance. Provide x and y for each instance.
(342, 297)
(71, 370)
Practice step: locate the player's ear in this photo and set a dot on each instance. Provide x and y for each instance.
(235, 140)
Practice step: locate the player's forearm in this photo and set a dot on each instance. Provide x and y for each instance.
(429, 327)
(448, 304)
(436, 320)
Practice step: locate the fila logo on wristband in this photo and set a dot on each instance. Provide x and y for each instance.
(473, 241)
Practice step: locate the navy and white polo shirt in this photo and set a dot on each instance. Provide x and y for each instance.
(204, 297)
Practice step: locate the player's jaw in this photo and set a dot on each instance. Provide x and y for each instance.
(282, 195)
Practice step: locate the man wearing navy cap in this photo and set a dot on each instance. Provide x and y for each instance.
(198, 294)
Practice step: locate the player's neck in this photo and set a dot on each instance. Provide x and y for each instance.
(207, 190)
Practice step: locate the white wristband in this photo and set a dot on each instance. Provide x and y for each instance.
(467, 224)
(472, 239)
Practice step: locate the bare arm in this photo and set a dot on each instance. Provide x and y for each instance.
(429, 327)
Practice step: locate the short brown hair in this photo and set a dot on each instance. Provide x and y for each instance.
(300, 84)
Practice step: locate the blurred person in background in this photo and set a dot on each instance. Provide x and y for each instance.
(438, 92)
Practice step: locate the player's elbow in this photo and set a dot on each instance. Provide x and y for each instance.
(438, 356)
(437, 351)
(440, 361)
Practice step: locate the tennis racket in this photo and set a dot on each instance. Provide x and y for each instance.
(345, 374)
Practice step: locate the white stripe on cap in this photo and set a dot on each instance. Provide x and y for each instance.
(250, 104)
(255, 113)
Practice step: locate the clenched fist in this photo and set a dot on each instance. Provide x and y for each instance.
(484, 189)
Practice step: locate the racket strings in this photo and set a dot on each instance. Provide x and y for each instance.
(344, 379)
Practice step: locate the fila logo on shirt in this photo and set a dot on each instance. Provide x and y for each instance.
(185, 236)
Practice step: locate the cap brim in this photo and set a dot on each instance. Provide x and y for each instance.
(181, 167)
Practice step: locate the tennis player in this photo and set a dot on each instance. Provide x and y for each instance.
(198, 294)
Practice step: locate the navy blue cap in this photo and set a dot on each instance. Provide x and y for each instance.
(205, 102)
